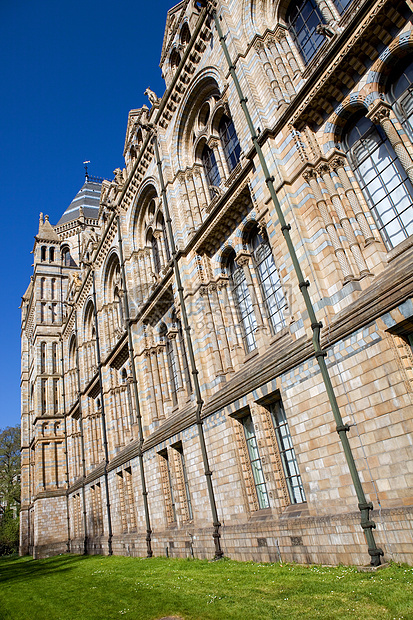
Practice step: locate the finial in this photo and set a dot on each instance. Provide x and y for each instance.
(46, 218)
(85, 163)
(41, 218)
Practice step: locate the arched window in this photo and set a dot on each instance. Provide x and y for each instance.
(243, 301)
(51, 255)
(42, 287)
(67, 260)
(185, 35)
(272, 293)
(54, 358)
(303, 17)
(43, 253)
(211, 169)
(382, 179)
(175, 59)
(118, 302)
(230, 144)
(181, 339)
(52, 287)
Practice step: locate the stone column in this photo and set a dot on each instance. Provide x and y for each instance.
(235, 338)
(200, 189)
(150, 385)
(214, 291)
(193, 199)
(161, 248)
(211, 329)
(324, 170)
(281, 35)
(216, 146)
(381, 116)
(275, 87)
(279, 63)
(186, 203)
(328, 11)
(156, 383)
(338, 164)
(311, 177)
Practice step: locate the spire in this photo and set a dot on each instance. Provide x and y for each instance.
(46, 230)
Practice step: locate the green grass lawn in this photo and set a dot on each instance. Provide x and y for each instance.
(103, 588)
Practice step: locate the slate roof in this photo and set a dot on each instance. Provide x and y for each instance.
(88, 198)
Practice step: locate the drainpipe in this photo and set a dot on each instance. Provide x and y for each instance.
(194, 372)
(341, 428)
(136, 395)
(82, 443)
(103, 417)
(66, 449)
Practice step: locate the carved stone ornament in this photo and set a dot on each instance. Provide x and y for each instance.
(153, 98)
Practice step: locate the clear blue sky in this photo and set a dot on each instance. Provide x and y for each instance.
(71, 71)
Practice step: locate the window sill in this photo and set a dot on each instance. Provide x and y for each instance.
(399, 249)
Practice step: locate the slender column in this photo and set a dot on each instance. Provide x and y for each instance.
(156, 382)
(196, 214)
(150, 384)
(324, 170)
(235, 339)
(200, 189)
(275, 87)
(382, 117)
(311, 177)
(211, 329)
(161, 247)
(187, 207)
(281, 36)
(338, 164)
(329, 15)
(213, 290)
(279, 63)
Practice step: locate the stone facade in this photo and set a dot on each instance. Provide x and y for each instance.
(171, 399)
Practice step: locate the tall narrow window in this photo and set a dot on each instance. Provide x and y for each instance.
(42, 287)
(243, 302)
(179, 449)
(182, 345)
(43, 390)
(43, 253)
(42, 311)
(230, 143)
(287, 453)
(165, 237)
(383, 180)
(272, 293)
(52, 287)
(43, 358)
(303, 17)
(55, 396)
(168, 488)
(255, 460)
(51, 255)
(211, 169)
(173, 370)
(54, 358)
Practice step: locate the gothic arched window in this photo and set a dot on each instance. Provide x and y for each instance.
(382, 178)
(272, 293)
(42, 358)
(303, 17)
(43, 253)
(211, 169)
(172, 364)
(243, 301)
(342, 5)
(155, 253)
(230, 143)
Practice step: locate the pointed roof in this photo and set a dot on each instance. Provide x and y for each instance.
(172, 22)
(46, 230)
(86, 202)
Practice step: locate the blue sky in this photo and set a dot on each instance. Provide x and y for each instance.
(71, 71)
